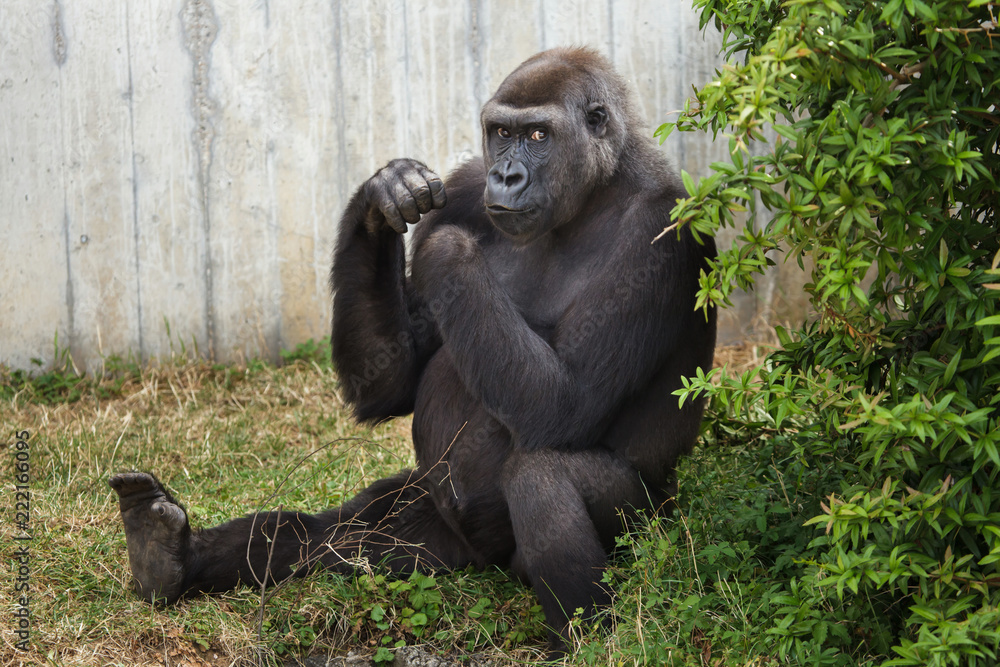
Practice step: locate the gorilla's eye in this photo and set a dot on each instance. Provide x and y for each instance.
(538, 135)
(503, 132)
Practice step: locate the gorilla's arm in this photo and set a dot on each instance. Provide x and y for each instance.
(382, 332)
(622, 326)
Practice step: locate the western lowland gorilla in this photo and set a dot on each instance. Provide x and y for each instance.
(536, 334)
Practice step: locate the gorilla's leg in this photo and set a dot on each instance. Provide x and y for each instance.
(563, 509)
(393, 522)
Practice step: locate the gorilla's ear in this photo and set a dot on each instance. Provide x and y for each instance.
(597, 119)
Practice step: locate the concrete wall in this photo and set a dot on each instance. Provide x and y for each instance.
(179, 165)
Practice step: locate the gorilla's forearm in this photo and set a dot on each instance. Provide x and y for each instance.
(521, 381)
(378, 349)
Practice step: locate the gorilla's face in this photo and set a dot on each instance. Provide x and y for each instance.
(544, 155)
(521, 147)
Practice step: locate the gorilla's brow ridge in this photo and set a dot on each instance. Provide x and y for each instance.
(540, 114)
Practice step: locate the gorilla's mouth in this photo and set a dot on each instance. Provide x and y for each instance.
(501, 209)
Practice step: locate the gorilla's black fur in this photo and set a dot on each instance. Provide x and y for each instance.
(537, 338)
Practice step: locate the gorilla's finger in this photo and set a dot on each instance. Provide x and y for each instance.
(405, 202)
(419, 190)
(393, 218)
(436, 186)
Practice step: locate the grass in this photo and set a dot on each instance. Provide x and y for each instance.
(228, 440)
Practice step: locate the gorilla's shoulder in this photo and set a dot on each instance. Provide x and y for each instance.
(470, 175)
(656, 192)
(653, 192)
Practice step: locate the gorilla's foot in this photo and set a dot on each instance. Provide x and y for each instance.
(157, 533)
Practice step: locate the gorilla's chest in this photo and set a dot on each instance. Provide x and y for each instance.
(542, 283)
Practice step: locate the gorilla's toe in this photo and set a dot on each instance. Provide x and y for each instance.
(135, 487)
(157, 533)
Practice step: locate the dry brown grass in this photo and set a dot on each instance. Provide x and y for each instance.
(742, 357)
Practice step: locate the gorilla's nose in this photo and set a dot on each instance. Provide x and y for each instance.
(506, 180)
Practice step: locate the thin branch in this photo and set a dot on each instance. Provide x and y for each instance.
(267, 573)
(891, 72)
(666, 230)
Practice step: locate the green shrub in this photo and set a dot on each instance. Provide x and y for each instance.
(882, 179)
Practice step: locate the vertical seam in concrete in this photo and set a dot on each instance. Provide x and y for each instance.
(274, 304)
(136, 237)
(274, 297)
(611, 31)
(70, 301)
(681, 58)
(476, 52)
(59, 52)
(342, 164)
(339, 103)
(406, 82)
(370, 66)
(541, 25)
(58, 35)
(200, 28)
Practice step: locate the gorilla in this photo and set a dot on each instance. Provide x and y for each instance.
(537, 334)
